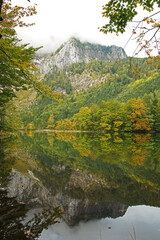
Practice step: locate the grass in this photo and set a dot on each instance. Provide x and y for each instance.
(133, 237)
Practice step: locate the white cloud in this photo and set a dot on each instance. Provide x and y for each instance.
(57, 21)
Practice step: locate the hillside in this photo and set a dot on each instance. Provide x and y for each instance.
(89, 82)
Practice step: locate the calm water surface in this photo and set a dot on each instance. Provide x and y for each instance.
(144, 219)
(65, 186)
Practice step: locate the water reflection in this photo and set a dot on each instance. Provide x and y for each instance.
(144, 219)
(12, 209)
(98, 167)
(85, 176)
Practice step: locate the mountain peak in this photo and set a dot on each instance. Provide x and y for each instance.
(74, 51)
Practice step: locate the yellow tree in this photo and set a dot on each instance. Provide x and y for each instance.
(137, 115)
(82, 119)
(51, 121)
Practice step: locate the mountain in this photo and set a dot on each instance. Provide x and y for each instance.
(83, 74)
(89, 84)
(74, 51)
(70, 59)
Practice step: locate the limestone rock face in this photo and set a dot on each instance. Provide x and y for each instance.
(86, 80)
(74, 51)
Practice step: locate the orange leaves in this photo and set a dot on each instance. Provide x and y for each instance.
(138, 109)
(137, 115)
(134, 32)
(142, 124)
(138, 148)
(139, 156)
(142, 139)
(12, 15)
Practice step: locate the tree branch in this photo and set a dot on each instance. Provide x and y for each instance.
(1, 2)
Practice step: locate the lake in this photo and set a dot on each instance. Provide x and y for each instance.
(64, 186)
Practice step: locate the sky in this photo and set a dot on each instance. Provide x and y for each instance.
(57, 21)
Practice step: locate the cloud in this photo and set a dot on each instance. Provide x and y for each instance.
(57, 21)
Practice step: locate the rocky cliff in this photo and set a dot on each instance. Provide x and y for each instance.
(34, 194)
(74, 51)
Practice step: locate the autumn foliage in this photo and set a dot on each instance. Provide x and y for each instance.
(17, 69)
(111, 116)
(137, 115)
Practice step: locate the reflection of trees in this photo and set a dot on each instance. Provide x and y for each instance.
(65, 136)
(6, 161)
(83, 145)
(79, 147)
(50, 139)
(12, 216)
(34, 227)
(30, 133)
(138, 148)
(124, 162)
(13, 213)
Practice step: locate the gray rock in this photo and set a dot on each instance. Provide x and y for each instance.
(31, 192)
(74, 51)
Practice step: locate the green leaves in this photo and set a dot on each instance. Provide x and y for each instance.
(17, 70)
(121, 12)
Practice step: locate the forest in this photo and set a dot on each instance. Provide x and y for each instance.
(126, 98)
(123, 95)
(119, 160)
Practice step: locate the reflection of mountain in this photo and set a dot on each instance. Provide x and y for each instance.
(85, 210)
(13, 222)
(34, 194)
(27, 190)
(99, 167)
(100, 183)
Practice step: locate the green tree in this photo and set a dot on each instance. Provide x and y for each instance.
(152, 102)
(16, 68)
(96, 114)
(112, 115)
(51, 121)
(12, 121)
(82, 119)
(121, 12)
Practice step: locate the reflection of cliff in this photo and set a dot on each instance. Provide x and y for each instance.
(87, 186)
(130, 165)
(27, 190)
(77, 210)
(34, 194)
(13, 222)
(15, 225)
